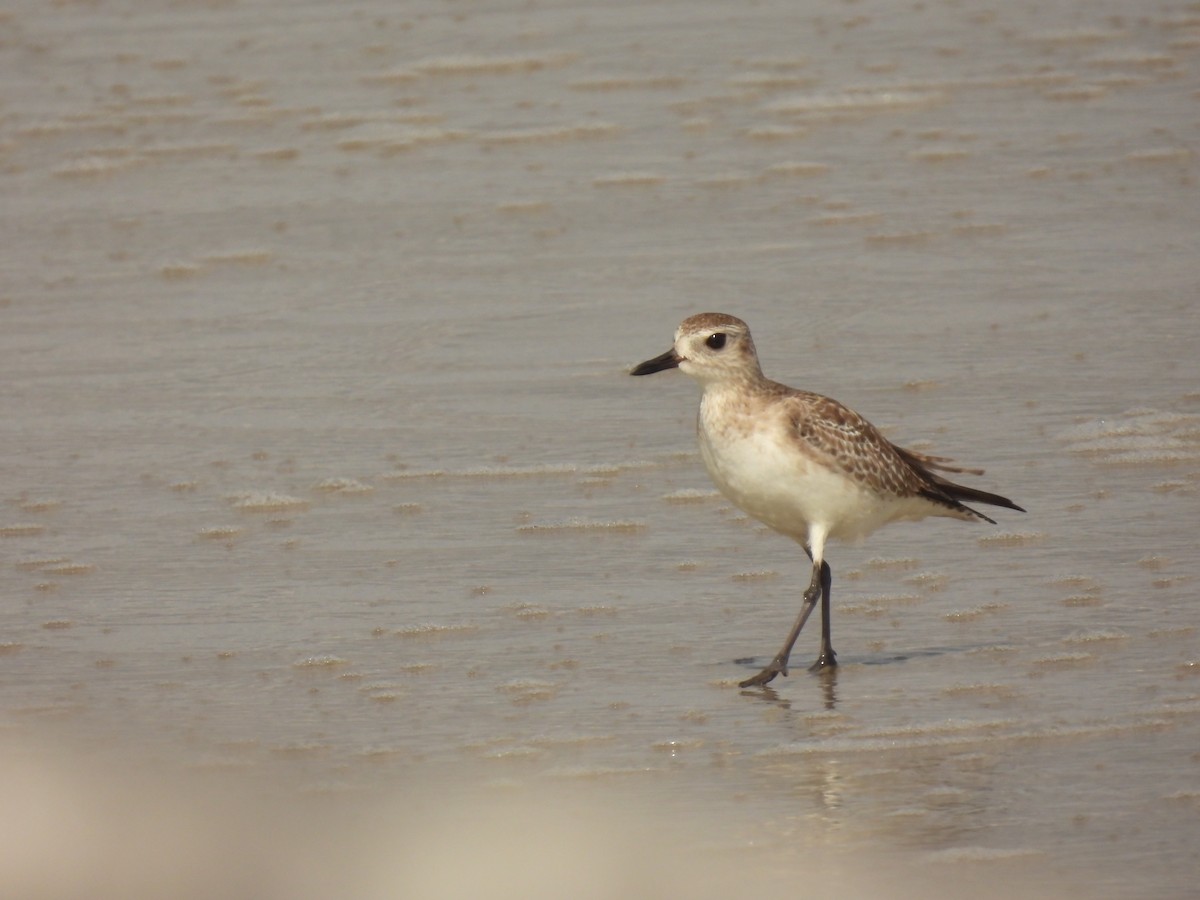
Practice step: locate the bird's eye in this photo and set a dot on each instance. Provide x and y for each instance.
(716, 341)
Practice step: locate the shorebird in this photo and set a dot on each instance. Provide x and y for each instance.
(802, 464)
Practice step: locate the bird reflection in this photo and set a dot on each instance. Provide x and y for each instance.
(827, 678)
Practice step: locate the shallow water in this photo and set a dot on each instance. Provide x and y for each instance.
(321, 465)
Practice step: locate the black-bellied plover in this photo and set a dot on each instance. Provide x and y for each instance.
(802, 464)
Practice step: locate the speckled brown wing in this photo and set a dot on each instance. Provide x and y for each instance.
(854, 445)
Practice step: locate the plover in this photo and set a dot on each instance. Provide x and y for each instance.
(802, 464)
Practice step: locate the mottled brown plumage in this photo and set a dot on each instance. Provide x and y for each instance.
(846, 440)
(801, 463)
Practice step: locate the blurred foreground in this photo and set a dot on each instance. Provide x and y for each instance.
(103, 832)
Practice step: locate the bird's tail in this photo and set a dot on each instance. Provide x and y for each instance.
(950, 494)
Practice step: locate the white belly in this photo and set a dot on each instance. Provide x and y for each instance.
(771, 478)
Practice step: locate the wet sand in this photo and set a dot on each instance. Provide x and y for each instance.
(323, 472)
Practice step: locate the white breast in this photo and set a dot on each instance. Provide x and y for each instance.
(757, 461)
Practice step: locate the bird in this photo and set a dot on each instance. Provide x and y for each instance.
(803, 464)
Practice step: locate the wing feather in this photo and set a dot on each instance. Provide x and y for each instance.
(850, 443)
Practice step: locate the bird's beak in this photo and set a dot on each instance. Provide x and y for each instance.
(668, 360)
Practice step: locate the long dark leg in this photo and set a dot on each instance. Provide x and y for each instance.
(827, 656)
(818, 587)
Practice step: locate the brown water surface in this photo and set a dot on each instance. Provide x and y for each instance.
(322, 470)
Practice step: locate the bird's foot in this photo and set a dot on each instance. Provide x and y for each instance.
(777, 666)
(827, 660)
